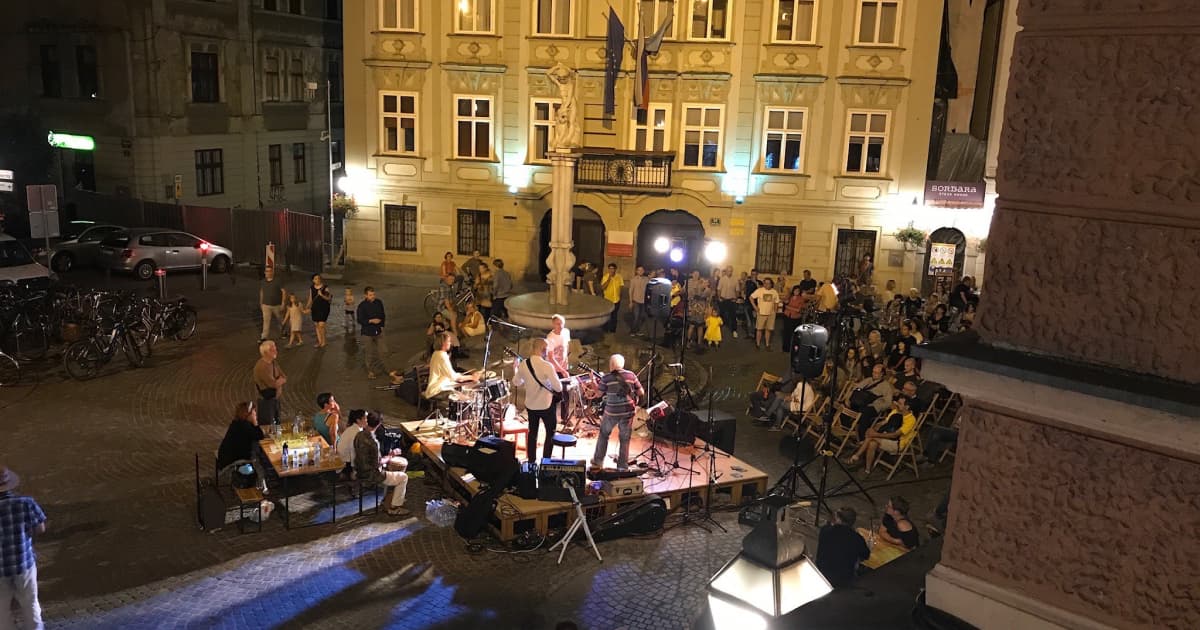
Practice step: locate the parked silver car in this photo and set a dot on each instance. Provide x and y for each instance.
(142, 250)
(80, 249)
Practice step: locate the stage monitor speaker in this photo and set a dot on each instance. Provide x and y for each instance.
(457, 455)
(809, 343)
(553, 472)
(644, 517)
(724, 430)
(658, 298)
(680, 426)
(495, 467)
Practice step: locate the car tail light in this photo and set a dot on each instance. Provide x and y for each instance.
(128, 253)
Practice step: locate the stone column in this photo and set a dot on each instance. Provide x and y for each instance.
(562, 218)
(1076, 492)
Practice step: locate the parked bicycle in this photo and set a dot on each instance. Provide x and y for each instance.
(434, 300)
(84, 358)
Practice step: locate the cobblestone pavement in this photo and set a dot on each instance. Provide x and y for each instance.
(112, 461)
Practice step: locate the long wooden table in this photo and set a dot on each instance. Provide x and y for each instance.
(329, 463)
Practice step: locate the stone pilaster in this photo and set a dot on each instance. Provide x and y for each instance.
(1076, 484)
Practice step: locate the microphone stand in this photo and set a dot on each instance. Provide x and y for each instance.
(486, 412)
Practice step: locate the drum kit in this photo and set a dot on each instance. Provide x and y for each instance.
(477, 408)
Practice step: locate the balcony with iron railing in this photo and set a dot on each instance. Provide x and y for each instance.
(615, 170)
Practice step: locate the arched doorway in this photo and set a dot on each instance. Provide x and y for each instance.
(587, 231)
(682, 228)
(943, 282)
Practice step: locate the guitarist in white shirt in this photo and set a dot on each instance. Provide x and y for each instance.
(541, 384)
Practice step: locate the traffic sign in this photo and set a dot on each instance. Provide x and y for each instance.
(7, 175)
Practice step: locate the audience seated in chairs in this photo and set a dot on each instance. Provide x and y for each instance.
(345, 443)
(940, 440)
(372, 467)
(909, 372)
(788, 401)
(872, 396)
(241, 442)
(840, 549)
(892, 434)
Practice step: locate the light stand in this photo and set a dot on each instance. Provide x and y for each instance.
(580, 521)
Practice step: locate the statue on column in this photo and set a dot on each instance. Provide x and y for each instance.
(566, 133)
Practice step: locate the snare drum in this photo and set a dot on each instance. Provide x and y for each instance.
(460, 406)
(496, 388)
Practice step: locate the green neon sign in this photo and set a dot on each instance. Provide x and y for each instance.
(71, 141)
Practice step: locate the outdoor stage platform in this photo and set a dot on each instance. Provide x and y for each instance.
(514, 515)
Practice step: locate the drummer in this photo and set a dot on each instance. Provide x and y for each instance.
(558, 345)
(443, 380)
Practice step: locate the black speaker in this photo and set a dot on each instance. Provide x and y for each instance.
(809, 342)
(644, 517)
(408, 391)
(456, 455)
(658, 298)
(680, 426)
(495, 467)
(724, 430)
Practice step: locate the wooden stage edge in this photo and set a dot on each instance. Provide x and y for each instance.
(514, 515)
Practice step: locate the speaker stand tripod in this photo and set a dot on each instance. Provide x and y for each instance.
(580, 522)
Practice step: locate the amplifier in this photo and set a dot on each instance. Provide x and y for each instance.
(553, 473)
(550, 464)
(628, 487)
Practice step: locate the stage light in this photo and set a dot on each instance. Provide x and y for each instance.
(771, 577)
(715, 252)
(662, 244)
(676, 255)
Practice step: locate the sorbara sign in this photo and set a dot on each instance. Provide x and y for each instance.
(954, 194)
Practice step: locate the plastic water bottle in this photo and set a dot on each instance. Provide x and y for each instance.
(283, 459)
(296, 425)
(317, 453)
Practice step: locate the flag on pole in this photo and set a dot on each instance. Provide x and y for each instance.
(614, 49)
(647, 46)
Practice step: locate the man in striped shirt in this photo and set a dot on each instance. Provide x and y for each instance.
(621, 390)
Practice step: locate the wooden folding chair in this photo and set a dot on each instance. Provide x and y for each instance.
(767, 378)
(905, 455)
(812, 422)
(949, 409)
(841, 436)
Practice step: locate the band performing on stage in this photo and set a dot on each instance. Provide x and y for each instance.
(557, 396)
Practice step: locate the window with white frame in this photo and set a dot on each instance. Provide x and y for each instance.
(783, 139)
(397, 15)
(878, 22)
(474, 16)
(655, 12)
(702, 135)
(709, 19)
(651, 130)
(272, 77)
(473, 127)
(794, 21)
(553, 17)
(542, 114)
(398, 122)
(866, 141)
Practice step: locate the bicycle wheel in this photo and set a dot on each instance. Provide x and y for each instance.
(133, 353)
(25, 342)
(144, 336)
(183, 323)
(83, 359)
(431, 303)
(10, 371)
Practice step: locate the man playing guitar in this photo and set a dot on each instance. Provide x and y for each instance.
(541, 384)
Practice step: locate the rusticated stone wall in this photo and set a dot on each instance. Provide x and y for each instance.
(1098, 528)
(1094, 252)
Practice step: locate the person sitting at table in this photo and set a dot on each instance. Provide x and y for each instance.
(243, 434)
(443, 379)
(891, 435)
(372, 467)
(895, 528)
(357, 421)
(326, 420)
(840, 549)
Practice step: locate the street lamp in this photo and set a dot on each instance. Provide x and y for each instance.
(769, 578)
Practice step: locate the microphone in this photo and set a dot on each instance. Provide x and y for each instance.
(496, 320)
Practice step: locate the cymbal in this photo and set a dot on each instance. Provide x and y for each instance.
(499, 363)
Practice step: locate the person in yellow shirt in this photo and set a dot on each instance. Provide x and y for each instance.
(827, 297)
(891, 435)
(611, 284)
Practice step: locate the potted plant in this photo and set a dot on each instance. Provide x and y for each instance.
(911, 238)
(343, 207)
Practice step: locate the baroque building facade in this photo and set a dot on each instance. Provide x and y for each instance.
(795, 131)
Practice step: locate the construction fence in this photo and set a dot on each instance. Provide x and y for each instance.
(298, 236)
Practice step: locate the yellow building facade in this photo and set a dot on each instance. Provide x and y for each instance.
(794, 131)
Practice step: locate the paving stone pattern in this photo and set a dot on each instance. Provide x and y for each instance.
(112, 462)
